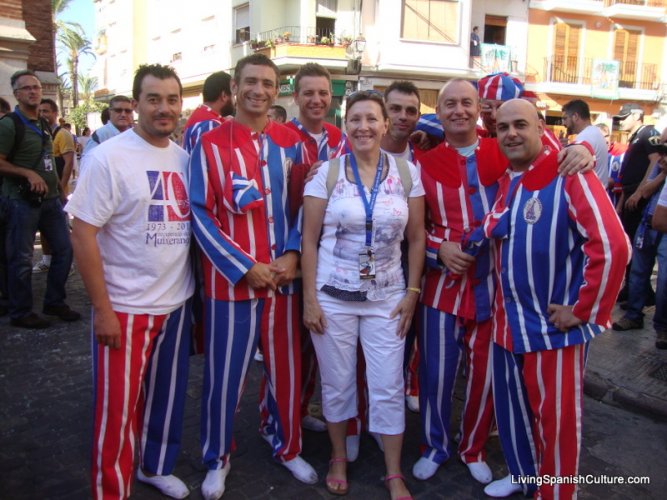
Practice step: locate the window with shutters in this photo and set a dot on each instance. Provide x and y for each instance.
(432, 20)
(565, 53)
(626, 52)
(242, 23)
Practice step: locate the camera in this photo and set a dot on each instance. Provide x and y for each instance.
(657, 146)
(34, 199)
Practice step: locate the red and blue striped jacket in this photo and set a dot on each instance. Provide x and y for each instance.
(202, 120)
(459, 193)
(242, 209)
(332, 145)
(559, 240)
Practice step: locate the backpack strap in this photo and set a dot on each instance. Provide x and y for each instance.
(401, 165)
(96, 138)
(404, 174)
(54, 132)
(332, 175)
(19, 133)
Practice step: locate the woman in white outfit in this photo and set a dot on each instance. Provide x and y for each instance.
(354, 287)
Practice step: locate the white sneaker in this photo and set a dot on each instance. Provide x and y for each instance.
(213, 486)
(313, 424)
(352, 447)
(301, 470)
(481, 472)
(378, 440)
(413, 403)
(502, 487)
(40, 267)
(259, 357)
(424, 468)
(168, 485)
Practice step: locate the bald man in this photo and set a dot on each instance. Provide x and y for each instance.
(561, 255)
(460, 179)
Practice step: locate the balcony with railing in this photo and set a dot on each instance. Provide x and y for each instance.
(645, 10)
(299, 35)
(579, 71)
(640, 3)
(592, 7)
(291, 46)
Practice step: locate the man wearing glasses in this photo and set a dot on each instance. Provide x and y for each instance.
(121, 113)
(31, 188)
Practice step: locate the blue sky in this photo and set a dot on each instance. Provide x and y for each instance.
(82, 12)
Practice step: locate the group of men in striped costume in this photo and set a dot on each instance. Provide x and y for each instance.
(245, 178)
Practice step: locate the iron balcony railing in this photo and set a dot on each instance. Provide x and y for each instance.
(575, 70)
(297, 34)
(641, 3)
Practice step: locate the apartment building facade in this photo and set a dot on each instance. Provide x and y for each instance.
(606, 52)
(364, 44)
(27, 42)
(368, 44)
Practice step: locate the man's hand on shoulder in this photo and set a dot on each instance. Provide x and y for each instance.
(574, 159)
(313, 171)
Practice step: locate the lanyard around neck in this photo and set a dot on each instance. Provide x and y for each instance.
(30, 124)
(368, 204)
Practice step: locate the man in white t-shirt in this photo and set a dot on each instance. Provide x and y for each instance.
(577, 120)
(131, 239)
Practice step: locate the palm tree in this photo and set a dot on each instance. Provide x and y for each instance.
(74, 43)
(63, 87)
(60, 26)
(88, 84)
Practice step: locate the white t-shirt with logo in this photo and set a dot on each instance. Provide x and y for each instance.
(137, 194)
(344, 231)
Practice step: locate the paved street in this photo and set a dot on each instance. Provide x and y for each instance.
(45, 429)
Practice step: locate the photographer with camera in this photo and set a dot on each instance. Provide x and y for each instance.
(30, 188)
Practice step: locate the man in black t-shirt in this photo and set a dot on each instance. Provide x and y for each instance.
(634, 168)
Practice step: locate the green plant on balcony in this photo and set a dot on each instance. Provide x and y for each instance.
(328, 40)
(286, 36)
(345, 41)
(260, 44)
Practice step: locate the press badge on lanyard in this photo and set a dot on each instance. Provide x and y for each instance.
(48, 163)
(46, 157)
(367, 256)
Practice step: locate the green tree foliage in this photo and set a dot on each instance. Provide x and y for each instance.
(74, 43)
(79, 115)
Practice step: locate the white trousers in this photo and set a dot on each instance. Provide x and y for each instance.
(349, 323)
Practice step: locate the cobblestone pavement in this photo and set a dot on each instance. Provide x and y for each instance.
(45, 430)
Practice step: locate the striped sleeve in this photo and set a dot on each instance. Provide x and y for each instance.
(194, 133)
(206, 173)
(607, 248)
